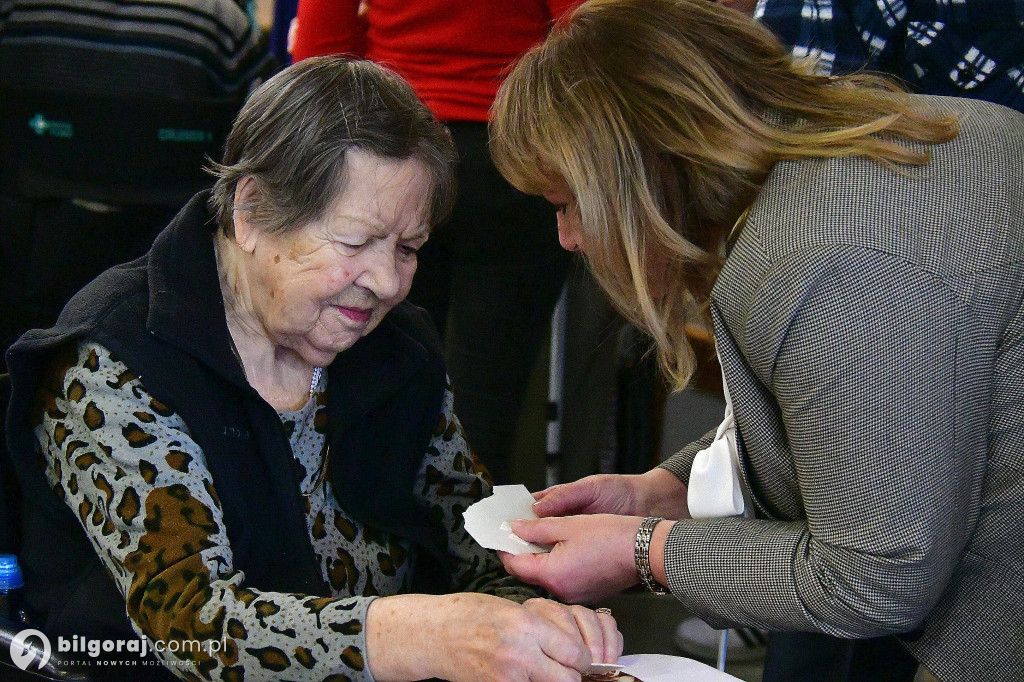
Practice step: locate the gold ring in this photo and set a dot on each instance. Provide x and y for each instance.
(603, 610)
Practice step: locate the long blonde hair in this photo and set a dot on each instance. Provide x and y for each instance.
(664, 117)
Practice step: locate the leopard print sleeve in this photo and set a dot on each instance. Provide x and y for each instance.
(450, 479)
(140, 486)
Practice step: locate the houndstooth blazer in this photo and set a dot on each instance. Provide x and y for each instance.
(871, 330)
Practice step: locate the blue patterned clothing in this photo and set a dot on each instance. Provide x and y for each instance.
(966, 48)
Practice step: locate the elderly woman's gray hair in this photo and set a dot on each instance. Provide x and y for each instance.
(293, 133)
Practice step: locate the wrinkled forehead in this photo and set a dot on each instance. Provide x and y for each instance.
(384, 195)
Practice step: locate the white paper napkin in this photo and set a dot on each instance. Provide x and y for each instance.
(663, 668)
(488, 521)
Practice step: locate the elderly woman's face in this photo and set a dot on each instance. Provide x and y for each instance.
(319, 288)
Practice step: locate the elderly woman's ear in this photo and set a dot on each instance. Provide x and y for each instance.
(245, 232)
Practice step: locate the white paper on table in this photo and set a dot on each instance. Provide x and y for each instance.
(488, 521)
(662, 668)
(601, 669)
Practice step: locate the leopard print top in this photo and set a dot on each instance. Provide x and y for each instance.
(140, 486)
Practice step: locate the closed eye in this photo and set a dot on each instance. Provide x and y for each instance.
(412, 244)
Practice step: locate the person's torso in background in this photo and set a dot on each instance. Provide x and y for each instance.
(453, 53)
(184, 48)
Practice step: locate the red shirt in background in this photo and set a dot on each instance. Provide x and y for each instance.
(453, 52)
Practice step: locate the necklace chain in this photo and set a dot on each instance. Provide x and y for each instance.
(321, 475)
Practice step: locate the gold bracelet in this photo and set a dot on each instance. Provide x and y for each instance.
(642, 554)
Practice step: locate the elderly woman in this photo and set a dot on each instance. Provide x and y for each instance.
(247, 437)
(859, 254)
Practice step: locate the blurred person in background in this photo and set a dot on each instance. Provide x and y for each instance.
(970, 48)
(184, 51)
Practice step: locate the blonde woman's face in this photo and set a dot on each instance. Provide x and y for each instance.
(570, 223)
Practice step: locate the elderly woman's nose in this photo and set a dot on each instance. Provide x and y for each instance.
(382, 274)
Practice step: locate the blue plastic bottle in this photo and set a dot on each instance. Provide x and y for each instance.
(11, 582)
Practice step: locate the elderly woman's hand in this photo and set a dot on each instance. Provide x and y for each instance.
(598, 630)
(655, 493)
(591, 558)
(477, 637)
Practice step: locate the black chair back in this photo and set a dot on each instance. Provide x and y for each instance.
(86, 182)
(10, 521)
(113, 149)
(58, 668)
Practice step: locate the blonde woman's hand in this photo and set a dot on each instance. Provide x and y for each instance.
(469, 637)
(591, 557)
(655, 493)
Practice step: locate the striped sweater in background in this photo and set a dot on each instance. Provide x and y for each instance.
(187, 48)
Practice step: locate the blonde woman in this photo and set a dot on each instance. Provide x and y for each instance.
(859, 254)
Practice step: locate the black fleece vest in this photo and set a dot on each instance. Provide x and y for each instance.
(163, 316)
